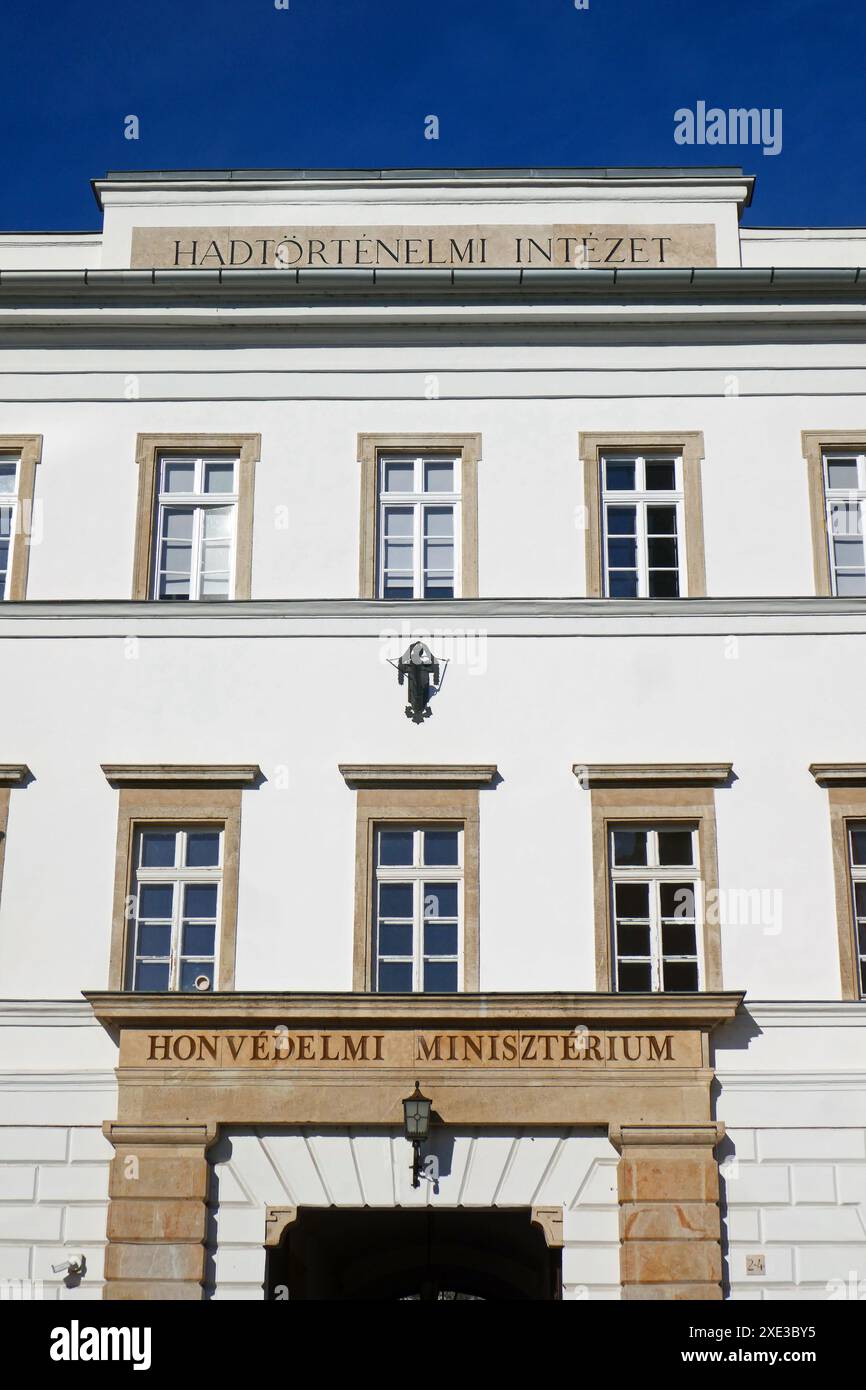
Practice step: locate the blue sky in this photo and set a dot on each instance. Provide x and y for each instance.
(348, 83)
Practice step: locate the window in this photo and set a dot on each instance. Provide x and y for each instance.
(845, 493)
(642, 526)
(175, 907)
(857, 861)
(419, 516)
(417, 930)
(644, 534)
(195, 528)
(19, 515)
(419, 523)
(654, 896)
(195, 516)
(9, 465)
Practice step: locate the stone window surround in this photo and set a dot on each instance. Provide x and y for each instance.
(846, 793)
(179, 795)
(814, 442)
(468, 446)
(148, 448)
(421, 795)
(29, 449)
(687, 443)
(669, 793)
(11, 775)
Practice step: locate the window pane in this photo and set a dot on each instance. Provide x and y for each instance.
(6, 522)
(842, 473)
(202, 849)
(664, 584)
(217, 522)
(633, 940)
(439, 522)
(190, 970)
(675, 847)
(662, 552)
(397, 590)
(395, 847)
(661, 521)
(398, 557)
(858, 846)
(677, 900)
(621, 521)
(395, 899)
(219, 477)
(177, 523)
(845, 519)
(440, 899)
(441, 847)
(660, 477)
(621, 552)
(850, 585)
(633, 977)
(7, 478)
(619, 477)
(400, 476)
(200, 900)
(440, 977)
(178, 477)
(632, 899)
(155, 900)
(860, 899)
(440, 939)
(154, 940)
(849, 553)
(398, 522)
(680, 975)
(395, 977)
(439, 477)
(395, 939)
(157, 849)
(629, 847)
(678, 939)
(198, 939)
(622, 584)
(149, 976)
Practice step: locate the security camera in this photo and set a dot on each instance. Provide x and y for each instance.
(71, 1267)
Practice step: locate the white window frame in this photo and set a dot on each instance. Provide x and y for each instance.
(857, 874)
(178, 876)
(10, 501)
(656, 874)
(419, 501)
(641, 498)
(851, 497)
(418, 874)
(200, 502)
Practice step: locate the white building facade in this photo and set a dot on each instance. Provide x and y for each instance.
(597, 881)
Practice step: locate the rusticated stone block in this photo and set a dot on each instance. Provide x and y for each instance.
(670, 1221)
(671, 1262)
(124, 1290)
(158, 1173)
(155, 1262)
(156, 1220)
(660, 1175)
(646, 1292)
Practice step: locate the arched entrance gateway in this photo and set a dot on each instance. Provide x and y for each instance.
(430, 1255)
(194, 1071)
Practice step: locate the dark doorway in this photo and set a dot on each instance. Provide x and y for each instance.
(426, 1255)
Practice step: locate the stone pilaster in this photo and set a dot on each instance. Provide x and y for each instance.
(157, 1217)
(670, 1225)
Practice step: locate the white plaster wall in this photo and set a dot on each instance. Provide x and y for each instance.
(53, 1203)
(300, 696)
(310, 402)
(256, 1168)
